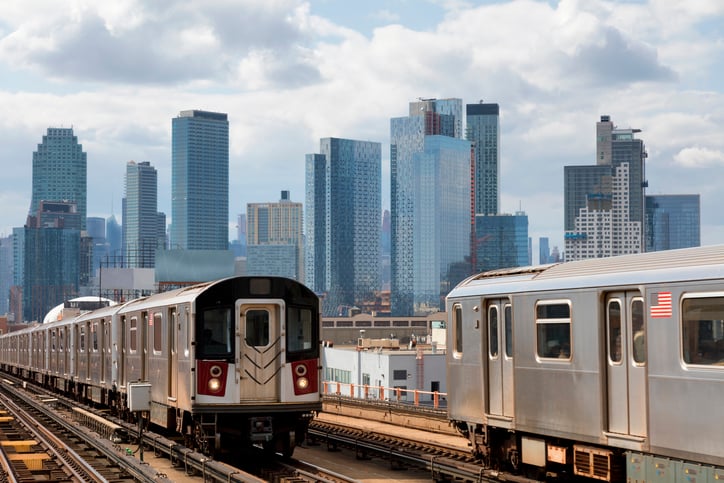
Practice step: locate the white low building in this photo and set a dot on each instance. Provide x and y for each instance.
(375, 369)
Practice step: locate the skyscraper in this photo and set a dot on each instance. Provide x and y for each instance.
(6, 272)
(200, 181)
(483, 131)
(672, 221)
(275, 238)
(60, 171)
(544, 251)
(604, 203)
(142, 235)
(343, 211)
(430, 205)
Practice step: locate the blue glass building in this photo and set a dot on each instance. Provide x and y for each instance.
(200, 181)
(343, 211)
(672, 221)
(483, 131)
(430, 206)
(60, 171)
(501, 241)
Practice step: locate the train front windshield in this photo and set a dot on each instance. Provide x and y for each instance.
(215, 333)
(302, 328)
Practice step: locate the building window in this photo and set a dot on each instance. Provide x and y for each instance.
(399, 374)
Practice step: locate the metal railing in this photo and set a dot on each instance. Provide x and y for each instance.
(415, 397)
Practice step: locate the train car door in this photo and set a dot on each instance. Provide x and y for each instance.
(173, 328)
(260, 349)
(626, 363)
(500, 360)
(122, 352)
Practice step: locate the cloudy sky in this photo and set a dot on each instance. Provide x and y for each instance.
(289, 72)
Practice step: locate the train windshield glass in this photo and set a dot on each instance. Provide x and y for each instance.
(300, 330)
(215, 332)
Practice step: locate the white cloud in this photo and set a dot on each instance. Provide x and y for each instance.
(698, 157)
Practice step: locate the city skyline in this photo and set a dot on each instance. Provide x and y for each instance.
(332, 69)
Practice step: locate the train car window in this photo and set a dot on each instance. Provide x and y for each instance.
(52, 340)
(257, 328)
(614, 331)
(300, 335)
(702, 330)
(157, 332)
(81, 344)
(216, 332)
(133, 333)
(493, 331)
(553, 329)
(458, 328)
(508, 322)
(94, 336)
(638, 334)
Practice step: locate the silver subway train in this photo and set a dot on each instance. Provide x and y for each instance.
(228, 362)
(606, 369)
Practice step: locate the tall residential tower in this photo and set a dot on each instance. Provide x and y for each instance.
(142, 232)
(483, 131)
(60, 171)
(200, 181)
(604, 203)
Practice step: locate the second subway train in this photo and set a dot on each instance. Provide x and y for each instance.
(234, 360)
(609, 369)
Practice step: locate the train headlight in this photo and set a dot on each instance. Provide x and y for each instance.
(214, 384)
(302, 383)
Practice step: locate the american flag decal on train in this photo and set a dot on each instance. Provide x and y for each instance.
(661, 305)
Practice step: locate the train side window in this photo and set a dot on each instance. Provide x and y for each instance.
(508, 326)
(638, 334)
(553, 329)
(94, 336)
(614, 331)
(458, 328)
(81, 345)
(133, 333)
(702, 330)
(493, 331)
(157, 332)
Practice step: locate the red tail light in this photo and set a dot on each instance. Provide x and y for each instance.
(304, 375)
(211, 378)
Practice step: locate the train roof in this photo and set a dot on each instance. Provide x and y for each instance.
(700, 263)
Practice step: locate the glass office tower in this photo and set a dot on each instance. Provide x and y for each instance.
(200, 181)
(343, 213)
(430, 206)
(501, 241)
(672, 221)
